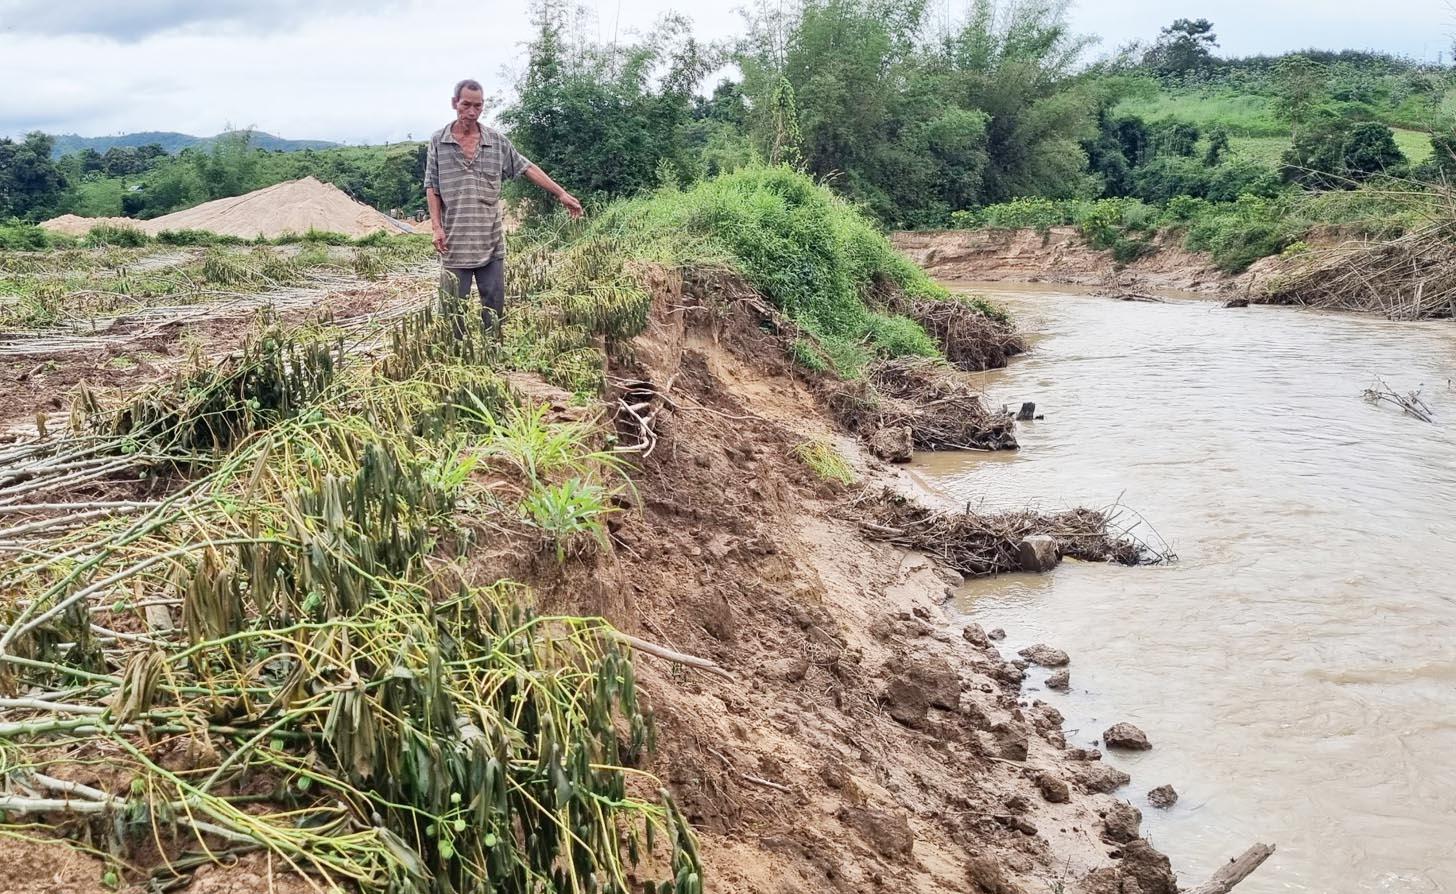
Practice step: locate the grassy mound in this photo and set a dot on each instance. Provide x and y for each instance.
(810, 253)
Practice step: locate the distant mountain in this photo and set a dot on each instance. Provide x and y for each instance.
(173, 142)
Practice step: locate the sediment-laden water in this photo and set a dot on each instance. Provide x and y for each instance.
(1296, 669)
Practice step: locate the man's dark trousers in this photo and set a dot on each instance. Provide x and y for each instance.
(490, 280)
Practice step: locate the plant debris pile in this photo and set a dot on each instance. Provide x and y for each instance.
(978, 544)
(1411, 277)
(973, 337)
(941, 410)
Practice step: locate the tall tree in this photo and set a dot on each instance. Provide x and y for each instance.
(1184, 47)
(31, 185)
(1299, 87)
(608, 120)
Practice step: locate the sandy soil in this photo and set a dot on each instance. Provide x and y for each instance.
(292, 207)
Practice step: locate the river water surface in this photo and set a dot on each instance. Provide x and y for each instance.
(1296, 669)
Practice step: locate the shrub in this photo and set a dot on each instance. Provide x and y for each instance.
(17, 236)
(120, 237)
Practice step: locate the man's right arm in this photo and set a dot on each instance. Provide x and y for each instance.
(432, 196)
(437, 217)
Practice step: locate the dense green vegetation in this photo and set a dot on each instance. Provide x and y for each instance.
(919, 119)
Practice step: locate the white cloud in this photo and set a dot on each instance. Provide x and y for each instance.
(375, 70)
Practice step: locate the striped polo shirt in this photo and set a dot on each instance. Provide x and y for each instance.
(470, 190)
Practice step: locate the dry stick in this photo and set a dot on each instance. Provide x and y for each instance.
(746, 777)
(667, 654)
(18, 804)
(1235, 870)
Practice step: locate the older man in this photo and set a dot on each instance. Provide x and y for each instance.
(464, 170)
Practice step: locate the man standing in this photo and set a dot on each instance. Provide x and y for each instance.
(464, 169)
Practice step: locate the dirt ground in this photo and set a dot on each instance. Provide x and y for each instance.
(129, 353)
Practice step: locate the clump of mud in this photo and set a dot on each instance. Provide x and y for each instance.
(942, 411)
(977, 544)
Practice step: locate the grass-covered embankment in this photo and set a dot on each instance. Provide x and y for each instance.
(811, 254)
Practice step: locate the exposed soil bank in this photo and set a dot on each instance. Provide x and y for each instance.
(864, 746)
(1061, 255)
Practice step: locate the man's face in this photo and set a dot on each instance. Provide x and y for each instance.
(469, 106)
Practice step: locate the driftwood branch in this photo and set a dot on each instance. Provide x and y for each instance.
(667, 654)
(1234, 871)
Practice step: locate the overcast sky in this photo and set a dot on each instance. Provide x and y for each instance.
(379, 70)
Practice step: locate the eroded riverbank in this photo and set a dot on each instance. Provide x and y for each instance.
(1294, 670)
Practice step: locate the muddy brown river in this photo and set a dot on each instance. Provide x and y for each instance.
(1296, 669)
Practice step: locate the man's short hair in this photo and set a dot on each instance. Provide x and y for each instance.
(468, 84)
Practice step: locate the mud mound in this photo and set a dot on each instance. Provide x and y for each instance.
(294, 206)
(74, 225)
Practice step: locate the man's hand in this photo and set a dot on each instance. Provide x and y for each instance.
(569, 202)
(440, 245)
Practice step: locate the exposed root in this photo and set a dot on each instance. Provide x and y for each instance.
(977, 544)
(941, 410)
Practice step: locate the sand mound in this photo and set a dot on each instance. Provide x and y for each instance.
(295, 206)
(72, 225)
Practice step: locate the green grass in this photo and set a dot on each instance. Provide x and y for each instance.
(823, 460)
(810, 253)
(1245, 115)
(1270, 149)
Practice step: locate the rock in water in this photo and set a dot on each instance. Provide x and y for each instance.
(996, 633)
(1163, 796)
(893, 443)
(1237, 302)
(1037, 553)
(1045, 655)
(1099, 778)
(1125, 735)
(1060, 681)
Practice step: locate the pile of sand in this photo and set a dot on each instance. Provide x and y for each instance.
(294, 206)
(72, 225)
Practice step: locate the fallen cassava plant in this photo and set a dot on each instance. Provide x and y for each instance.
(282, 653)
(980, 544)
(941, 410)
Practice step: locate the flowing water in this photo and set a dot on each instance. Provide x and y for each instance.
(1296, 669)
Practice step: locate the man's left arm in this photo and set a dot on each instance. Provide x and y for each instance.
(543, 180)
(515, 164)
